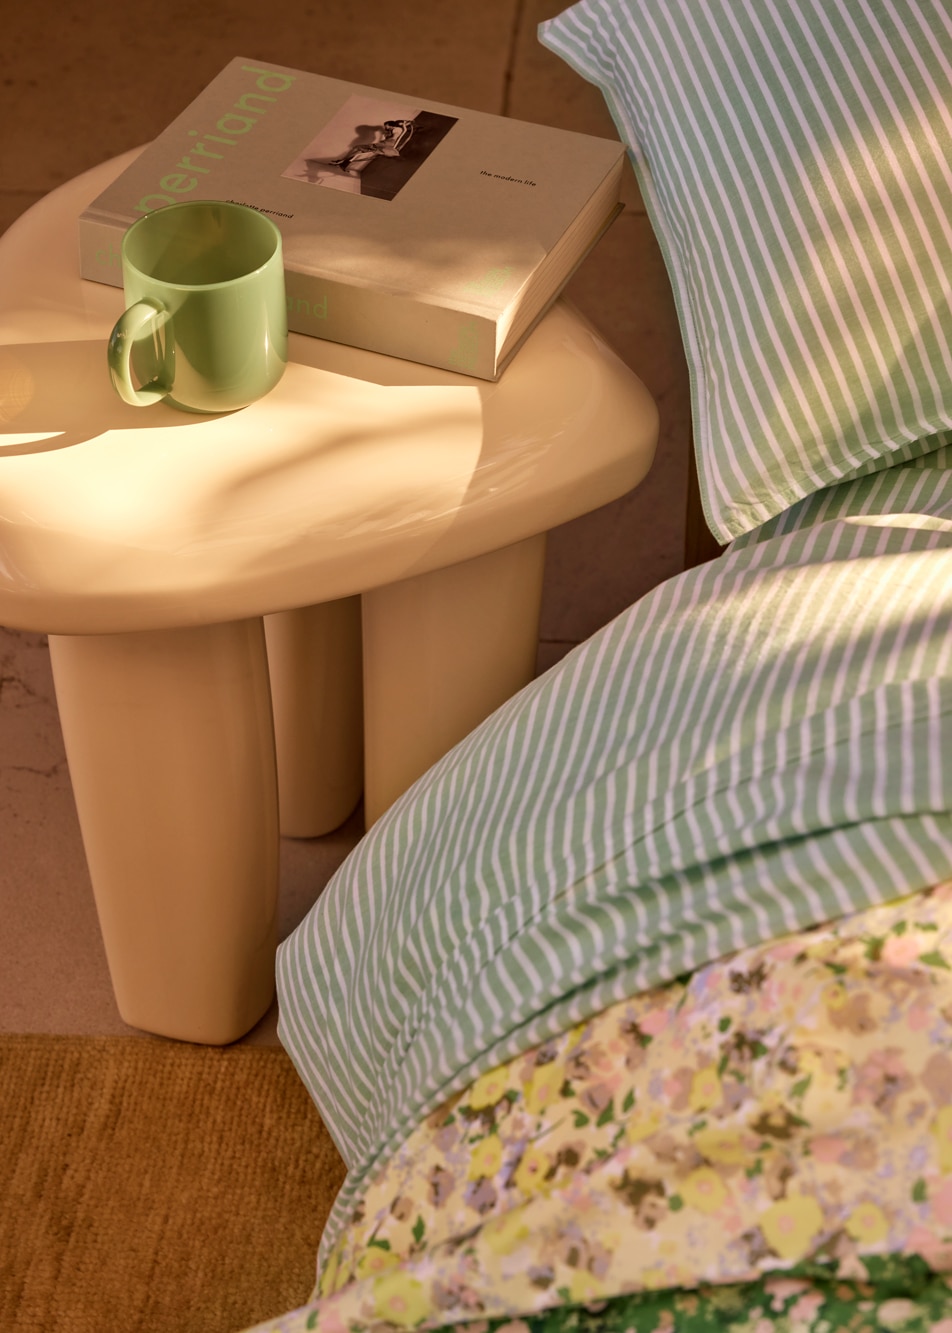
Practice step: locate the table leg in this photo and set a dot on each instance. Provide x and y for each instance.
(441, 652)
(314, 659)
(170, 747)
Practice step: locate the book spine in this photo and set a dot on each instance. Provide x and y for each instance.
(99, 246)
(395, 325)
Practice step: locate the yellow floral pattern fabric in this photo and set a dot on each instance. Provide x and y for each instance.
(787, 1105)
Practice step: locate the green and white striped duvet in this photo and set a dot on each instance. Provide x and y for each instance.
(759, 744)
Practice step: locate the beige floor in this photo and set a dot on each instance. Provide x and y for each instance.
(81, 83)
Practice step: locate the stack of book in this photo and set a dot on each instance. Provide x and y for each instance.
(425, 231)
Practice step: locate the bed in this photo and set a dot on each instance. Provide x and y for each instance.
(635, 1012)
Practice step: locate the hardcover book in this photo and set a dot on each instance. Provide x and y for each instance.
(425, 231)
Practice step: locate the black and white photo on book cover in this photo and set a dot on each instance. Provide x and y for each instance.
(370, 146)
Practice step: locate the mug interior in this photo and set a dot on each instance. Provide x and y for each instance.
(201, 243)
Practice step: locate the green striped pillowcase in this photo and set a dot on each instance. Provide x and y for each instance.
(795, 158)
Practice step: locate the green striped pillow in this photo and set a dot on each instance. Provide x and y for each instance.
(795, 158)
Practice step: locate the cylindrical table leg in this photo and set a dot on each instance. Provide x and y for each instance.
(171, 753)
(441, 652)
(314, 658)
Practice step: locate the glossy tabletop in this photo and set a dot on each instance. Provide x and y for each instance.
(357, 470)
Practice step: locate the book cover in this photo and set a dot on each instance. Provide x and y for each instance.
(410, 227)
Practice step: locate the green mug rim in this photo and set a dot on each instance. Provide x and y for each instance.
(191, 205)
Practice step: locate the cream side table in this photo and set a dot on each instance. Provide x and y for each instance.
(313, 596)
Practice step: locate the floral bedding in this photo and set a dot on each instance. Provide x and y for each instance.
(763, 1144)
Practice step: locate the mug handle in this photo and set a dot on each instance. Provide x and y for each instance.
(128, 327)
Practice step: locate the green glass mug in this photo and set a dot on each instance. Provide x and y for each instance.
(206, 324)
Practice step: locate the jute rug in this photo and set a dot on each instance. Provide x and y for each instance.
(147, 1185)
